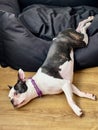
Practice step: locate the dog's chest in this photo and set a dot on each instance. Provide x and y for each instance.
(48, 84)
(66, 69)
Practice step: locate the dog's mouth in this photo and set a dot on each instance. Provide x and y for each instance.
(19, 105)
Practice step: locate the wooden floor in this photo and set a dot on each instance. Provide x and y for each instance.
(49, 112)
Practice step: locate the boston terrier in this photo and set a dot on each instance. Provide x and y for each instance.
(56, 73)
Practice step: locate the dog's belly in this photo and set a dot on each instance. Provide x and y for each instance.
(48, 84)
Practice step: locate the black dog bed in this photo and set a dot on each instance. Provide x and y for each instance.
(26, 33)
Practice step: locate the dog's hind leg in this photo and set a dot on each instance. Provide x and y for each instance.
(83, 31)
(83, 26)
(83, 23)
(82, 94)
(67, 89)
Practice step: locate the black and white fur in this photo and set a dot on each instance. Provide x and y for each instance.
(56, 73)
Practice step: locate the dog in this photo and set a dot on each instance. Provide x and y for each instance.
(56, 73)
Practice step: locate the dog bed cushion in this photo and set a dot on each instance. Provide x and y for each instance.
(21, 48)
(27, 38)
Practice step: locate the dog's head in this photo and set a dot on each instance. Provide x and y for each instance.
(22, 92)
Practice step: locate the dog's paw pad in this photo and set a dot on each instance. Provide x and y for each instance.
(91, 17)
(80, 113)
(94, 97)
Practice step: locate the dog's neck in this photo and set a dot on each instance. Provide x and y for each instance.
(38, 91)
(38, 79)
(31, 89)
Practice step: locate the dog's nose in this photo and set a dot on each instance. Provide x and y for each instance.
(12, 101)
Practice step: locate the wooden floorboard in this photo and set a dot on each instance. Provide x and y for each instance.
(49, 112)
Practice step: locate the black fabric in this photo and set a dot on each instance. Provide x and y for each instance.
(72, 3)
(1, 49)
(25, 39)
(10, 6)
(47, 21)
(21, 48)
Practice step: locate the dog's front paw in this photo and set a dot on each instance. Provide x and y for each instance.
(90, 96)
(77, 110)
(90, 18)
(79, 113)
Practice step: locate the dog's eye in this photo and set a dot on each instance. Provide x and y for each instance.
(15, 94)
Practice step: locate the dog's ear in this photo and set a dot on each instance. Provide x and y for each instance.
(21, 75)
(10, 87)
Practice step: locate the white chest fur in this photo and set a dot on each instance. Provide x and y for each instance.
(67, 68)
